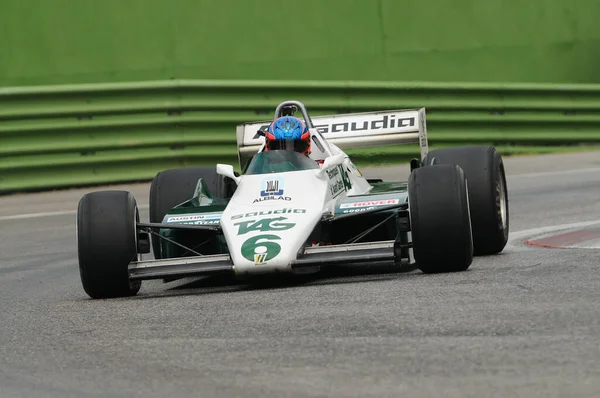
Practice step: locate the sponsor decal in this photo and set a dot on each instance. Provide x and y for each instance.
(286, 198)
(358, 210)
(261, 131)
(262, 248)
(332, 173)
(355, 124)
(263, 225)
(338, 180)
(337, 187)
(384, 202)
(346, 179)
(367, 123)
(272, 189)
(193, 217)
(260, 258)
(268, 212)
(201, 222)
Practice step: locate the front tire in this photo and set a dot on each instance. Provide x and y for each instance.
(440, 219)
(107, 243)
(488, 194)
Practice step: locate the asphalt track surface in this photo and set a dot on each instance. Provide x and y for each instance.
(522, 323)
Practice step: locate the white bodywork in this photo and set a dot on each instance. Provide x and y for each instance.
(265, 235)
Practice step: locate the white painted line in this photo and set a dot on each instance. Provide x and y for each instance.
(37, 215)
(48, 214)
(551, 173)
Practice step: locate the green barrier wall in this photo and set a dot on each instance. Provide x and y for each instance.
(60, 136)
(77, 41)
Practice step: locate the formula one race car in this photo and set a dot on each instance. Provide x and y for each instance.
(292, 213)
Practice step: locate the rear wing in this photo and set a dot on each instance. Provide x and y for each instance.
(346, 131)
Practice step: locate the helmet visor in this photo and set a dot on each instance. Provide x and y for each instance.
(289, 145)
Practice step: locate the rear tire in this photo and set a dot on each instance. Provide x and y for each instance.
(488, 195)
(440, 219)
(172, 187)
(107, 243)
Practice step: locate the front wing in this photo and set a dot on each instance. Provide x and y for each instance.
(317, 256)
(309, 257)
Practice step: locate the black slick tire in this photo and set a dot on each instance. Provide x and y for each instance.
(488, 194)
(439, 218)
(107, 243)
(175, 186)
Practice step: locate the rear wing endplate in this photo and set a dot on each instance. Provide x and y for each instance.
(349, 131)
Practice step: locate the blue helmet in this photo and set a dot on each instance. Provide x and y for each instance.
(288, 133)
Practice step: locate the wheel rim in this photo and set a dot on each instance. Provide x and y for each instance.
(503, 202)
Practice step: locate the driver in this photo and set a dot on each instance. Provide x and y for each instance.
(288, 133)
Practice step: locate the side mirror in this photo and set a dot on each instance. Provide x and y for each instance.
(227, 171)
(334, 160)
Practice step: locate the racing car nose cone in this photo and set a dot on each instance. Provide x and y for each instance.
(270, 218)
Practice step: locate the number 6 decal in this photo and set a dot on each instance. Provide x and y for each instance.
(261, 248)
